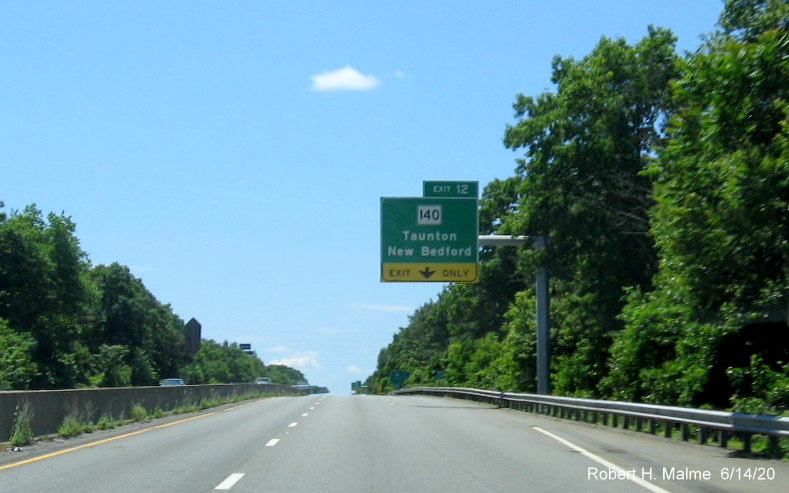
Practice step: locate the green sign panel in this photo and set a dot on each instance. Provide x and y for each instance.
(458, 189)
(429, 239)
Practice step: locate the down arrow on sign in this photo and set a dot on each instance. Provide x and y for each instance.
(427, 272)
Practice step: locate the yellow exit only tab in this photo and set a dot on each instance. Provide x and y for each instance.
(428, 272)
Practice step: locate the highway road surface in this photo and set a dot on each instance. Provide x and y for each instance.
(378, 444)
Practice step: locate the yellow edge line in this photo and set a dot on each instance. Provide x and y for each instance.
(99, 442)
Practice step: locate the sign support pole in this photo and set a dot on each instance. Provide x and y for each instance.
(543, 320)
(543, 303)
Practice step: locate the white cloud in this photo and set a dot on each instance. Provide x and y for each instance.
(354, 369)
(301, 361)
(344, 79)
(385, 308)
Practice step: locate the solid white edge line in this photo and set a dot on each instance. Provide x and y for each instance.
(600, 460)
(272, 442)
(230, 481)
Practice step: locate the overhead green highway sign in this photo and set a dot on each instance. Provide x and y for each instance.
(429, 239)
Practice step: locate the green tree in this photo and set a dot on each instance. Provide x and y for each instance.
(516, 365)
(86, 325)
(719, 221)
(111, 364)
(581, 183)
(500, 199)
(722, 185)
(223, 363)
(124, 307)
(128, 315)
(43, 292)
(283, 375)
(17, 369)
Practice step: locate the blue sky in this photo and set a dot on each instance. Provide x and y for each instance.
(233, 154)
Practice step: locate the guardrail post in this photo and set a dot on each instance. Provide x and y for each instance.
(703, 435)
(667, 431)
(772, 446)
(723, 438)
(746, 443)
(685, 432)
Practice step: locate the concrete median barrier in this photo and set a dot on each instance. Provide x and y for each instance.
(49, 407)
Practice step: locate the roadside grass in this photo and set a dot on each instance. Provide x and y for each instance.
(138, 413)
(22, 431)
(72, 425)
(105, 422)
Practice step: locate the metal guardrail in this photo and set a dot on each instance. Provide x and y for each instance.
(708, 424)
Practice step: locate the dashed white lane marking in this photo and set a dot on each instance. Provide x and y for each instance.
(274, 441)
(230, 481)
(633, 477)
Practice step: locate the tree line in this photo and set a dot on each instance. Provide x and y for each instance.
(65, 323)
(662, 180)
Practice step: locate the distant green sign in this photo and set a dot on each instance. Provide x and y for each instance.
(456, 189)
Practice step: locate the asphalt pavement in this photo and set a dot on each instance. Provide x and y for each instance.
(378, 444)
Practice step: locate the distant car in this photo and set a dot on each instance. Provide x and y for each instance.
(264, 381)
(172, 381)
